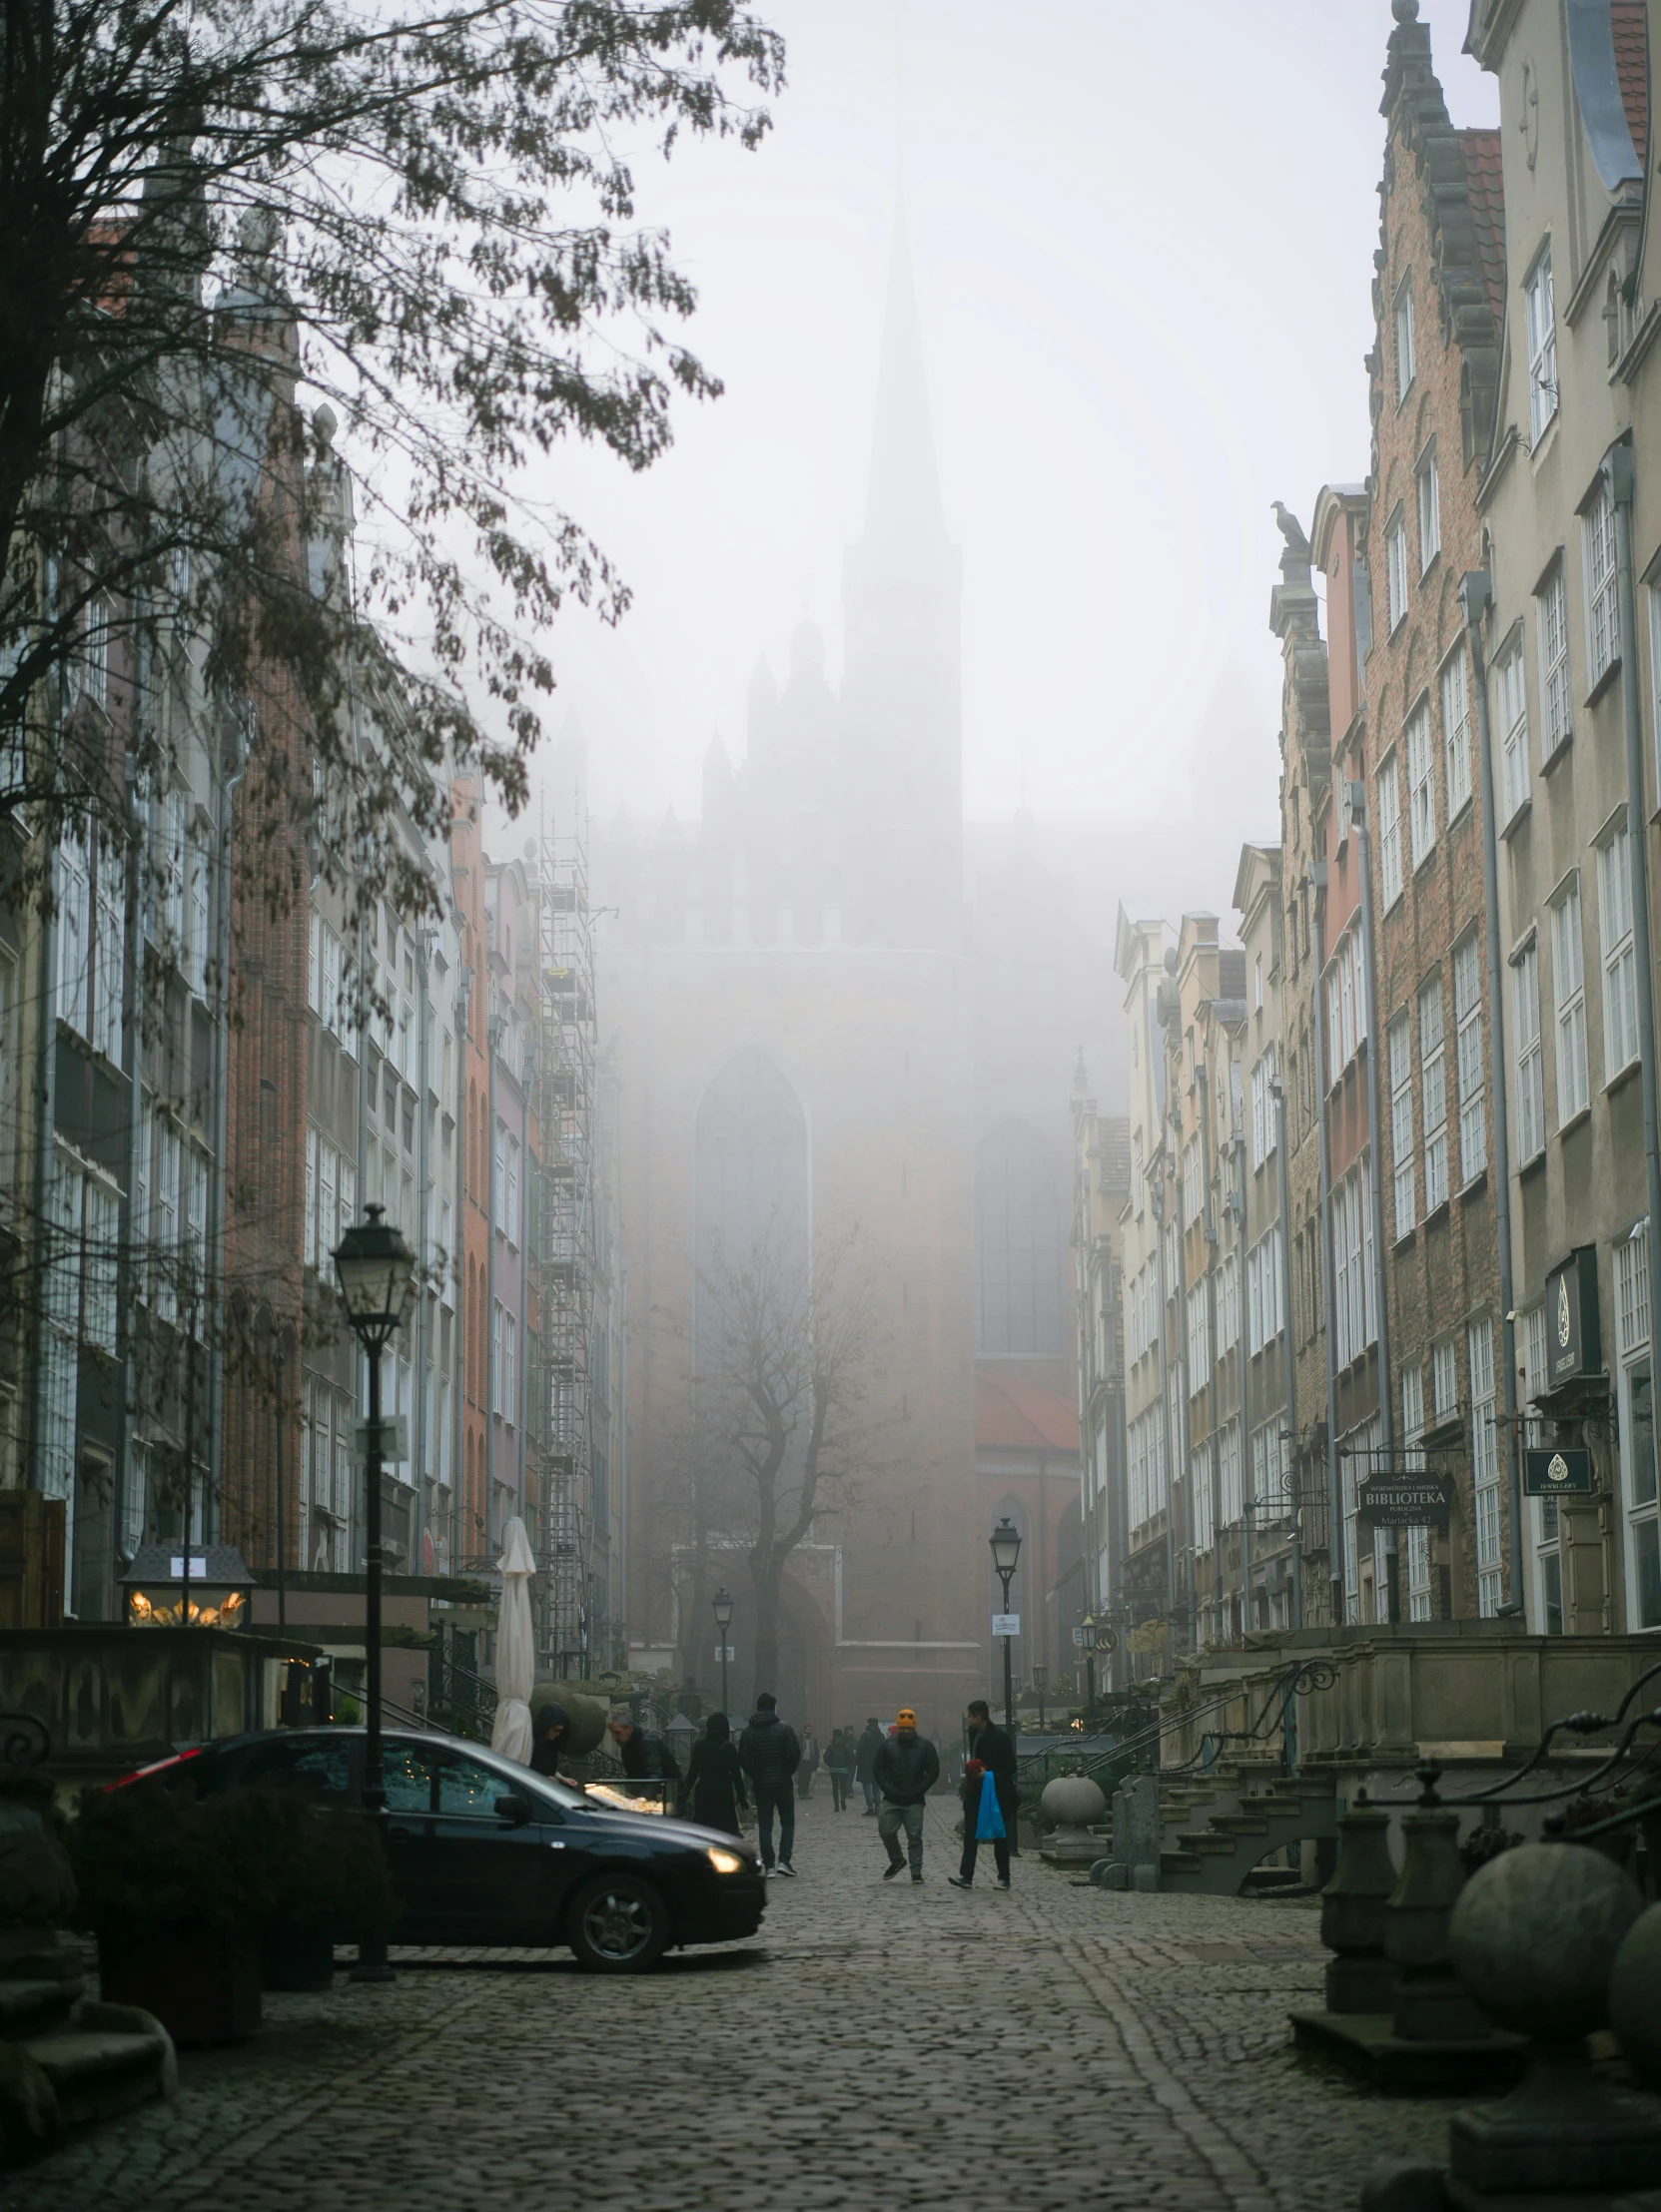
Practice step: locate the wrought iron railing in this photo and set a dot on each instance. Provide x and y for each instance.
(459, 1699)
(25, 1740)
(1139, 1751)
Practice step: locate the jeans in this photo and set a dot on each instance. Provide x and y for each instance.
(873, 1796)
(839, 1789)
(889, 1820)
(771, 1796)
(1000, 1851)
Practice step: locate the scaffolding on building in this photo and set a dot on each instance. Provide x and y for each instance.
(564, 1259)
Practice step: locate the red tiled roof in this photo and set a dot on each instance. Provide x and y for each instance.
(1627, 17)
(1016, 1416)
(1486, 190)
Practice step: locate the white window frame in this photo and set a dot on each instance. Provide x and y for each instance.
(1620, 961)
(1484, 1465)
(74, 927)
(1400, 1044)
(1468, 1023)
(1456, 733)
(1529, 1054)
(1540, 324)
(110, 949)
(1511, 719)
(1568, 998)
(1406, 365)
(1390, 831)
(1556, 705)
(1603, 614)
(1432, 1055)
(1396, 567)
(1421, 785)
(1429, 512)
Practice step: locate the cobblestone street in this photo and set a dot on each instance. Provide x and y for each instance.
(878, 2044)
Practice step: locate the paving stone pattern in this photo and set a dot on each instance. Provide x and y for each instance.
(878, 2045)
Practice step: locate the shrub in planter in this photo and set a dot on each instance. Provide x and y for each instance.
(180, 1892)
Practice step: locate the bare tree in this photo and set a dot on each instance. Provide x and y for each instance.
(790, 1364)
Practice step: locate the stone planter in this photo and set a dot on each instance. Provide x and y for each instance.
(297, 1954)
(204, 1988)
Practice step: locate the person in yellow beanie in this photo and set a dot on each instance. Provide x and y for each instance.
(905, 1770)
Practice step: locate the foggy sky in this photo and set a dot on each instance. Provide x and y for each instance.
(1143, 239)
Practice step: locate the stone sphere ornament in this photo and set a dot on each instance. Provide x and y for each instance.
(1535, 1936)
(1073, 1800)
(1635, 1998)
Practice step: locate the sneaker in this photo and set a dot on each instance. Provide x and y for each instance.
(898, 1868)
(916, 1878)
(958, 1883)
(1001, 1884)
(785, 1867)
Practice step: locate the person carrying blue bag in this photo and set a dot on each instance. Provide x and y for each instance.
(990, 1799)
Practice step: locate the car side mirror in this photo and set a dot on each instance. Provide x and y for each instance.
(514, 1811)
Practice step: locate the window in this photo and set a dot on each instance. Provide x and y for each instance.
(1556, 718)
(1418, 1539)
(1655, 661)
(513, 1191)
(1269, 1471)
(1456, 732)
(1467, 1019)
(1400, 1044)
(1353, 1300)
(196, 1236)
(1421, 796)
(1335, 1040)
(110, 961)
(1404, 338)
(498, 1179)
(497, 1319)
(1429, 516)
(1228, 1455)
(1444, 1375)
(1257, 983)
(173, 873)
(196, 921)
(511, 1369)
(311, 1249)
(1512, 700)
(1632, 1296)
(74, 927)
(1569, 996)
(1357, 961)
(103, 1258)
(1347, 1003)
(1542, 348)
(331, 981)
(1227, 1303)
(165, 1158)
(1484, 1464)
(1199, 1340)
(1199, 1493)
(94, 653)
(1525, 999)
(329, 1202)
(1265, 1285)
(1389, 833)
(1262, 1109)
(1603, 621)
(1620, 963)
(1433, 1088)
(313, 965)
(1395, 549)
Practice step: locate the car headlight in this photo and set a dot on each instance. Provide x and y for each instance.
(724, 1862)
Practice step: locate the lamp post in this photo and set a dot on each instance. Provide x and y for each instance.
(1041, 1681)
(1006, 1550)
(377, 1279)
(1087, 1628)
(724, 1621)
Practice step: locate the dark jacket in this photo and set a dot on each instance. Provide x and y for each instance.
(545, 1747)
(648, 1757)
(839, 1756)
(906, 1772)
(769, 1750)
(997, 1754)
(865, 1753)
(714, 1779)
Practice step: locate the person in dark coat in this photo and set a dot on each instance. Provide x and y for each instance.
(990, 1753)
(643, 1756)
(715, 1777)
(770, 1752)
(839, 1765)
(549, 1726)
(906, 1769)
(865, 1758)
(809, 1763)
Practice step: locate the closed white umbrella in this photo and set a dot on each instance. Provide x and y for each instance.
(516, 1647)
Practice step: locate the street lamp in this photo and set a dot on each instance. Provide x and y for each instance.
(1086, 1629)
(1006, 1550)
(377, 1280)
(1041, 1681)
(724, 1621)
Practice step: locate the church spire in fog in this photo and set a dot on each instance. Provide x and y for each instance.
(903, 499)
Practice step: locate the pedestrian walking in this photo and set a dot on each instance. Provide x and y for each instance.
(991, 1796)
(865, 1758)
(810, 1762)
(769, 1754)
(906, 1767)
(715, 1779)
(839, 1765)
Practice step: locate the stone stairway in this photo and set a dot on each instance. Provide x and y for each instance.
(1215, 1860)
(67, 2059)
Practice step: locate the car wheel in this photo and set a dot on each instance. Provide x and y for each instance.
(617, 1924)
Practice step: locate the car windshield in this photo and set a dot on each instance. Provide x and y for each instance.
(424, 1774)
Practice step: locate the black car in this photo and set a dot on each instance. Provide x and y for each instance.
(483, 1851)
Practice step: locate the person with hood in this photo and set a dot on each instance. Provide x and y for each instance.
(906, 1769)
(770, 1753)
(549, 1726)
(715, 1779)
(865, 1755)
(839, 1765)
(990, 1753)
